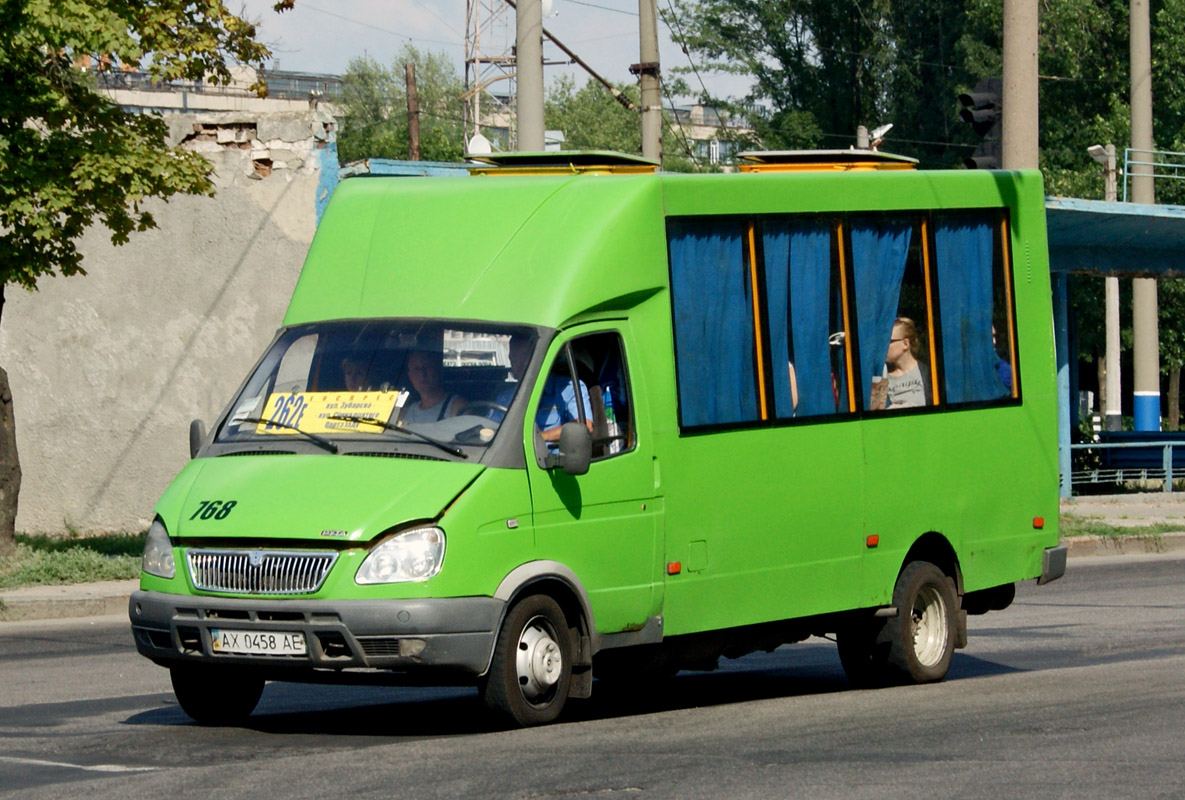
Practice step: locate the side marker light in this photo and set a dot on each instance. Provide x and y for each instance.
(872, 540)
(1039, 522)
(674, 567)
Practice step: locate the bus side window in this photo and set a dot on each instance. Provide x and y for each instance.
(604, 396)
(712, 310)
(893, 312)
(804, 307)
(976, 308)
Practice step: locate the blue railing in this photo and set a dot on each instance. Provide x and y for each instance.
(1122, 467)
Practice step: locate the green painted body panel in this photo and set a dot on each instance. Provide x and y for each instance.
(604, 525)
(296, 497)
(510, 250)
(766, 523)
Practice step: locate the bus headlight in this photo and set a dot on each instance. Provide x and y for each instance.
(413, 555)
(158, 552)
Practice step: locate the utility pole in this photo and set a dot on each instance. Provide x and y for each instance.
(1146, 349)
(647, 71)
(413, 112)
(1105, 155)
(1019, 100)
(529, 75)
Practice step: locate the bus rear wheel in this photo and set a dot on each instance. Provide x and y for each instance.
(916, 645)
(922, 635)
(527, 683)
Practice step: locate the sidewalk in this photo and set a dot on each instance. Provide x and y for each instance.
(59, 602)
(111, 597)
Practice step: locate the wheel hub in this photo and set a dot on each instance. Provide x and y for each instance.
(929, 626)
(539, 662)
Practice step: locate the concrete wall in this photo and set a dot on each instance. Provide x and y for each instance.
(108, 369)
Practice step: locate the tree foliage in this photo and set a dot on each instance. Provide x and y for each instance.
(822, 67)
(70, 157)
(374, 100)
(591, 118)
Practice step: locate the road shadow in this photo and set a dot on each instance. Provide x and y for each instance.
(355, 713)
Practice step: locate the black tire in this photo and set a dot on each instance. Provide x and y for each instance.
(216, 695)
(922, 635)
(915, 646)
(862, 653)
(527, 683)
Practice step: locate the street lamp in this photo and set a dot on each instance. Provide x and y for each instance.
(1105, 155)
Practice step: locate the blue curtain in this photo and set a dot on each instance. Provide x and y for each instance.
(879, 249)
(798, 290)
(713, 323)
(963, 256)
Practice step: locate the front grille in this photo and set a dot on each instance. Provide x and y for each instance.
(259, 571)
(379, 645)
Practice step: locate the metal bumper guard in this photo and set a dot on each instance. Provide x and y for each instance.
(451, 634)
(1053, 564)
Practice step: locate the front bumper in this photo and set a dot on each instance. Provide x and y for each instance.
(444, 634)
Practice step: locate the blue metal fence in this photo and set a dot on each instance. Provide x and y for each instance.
(1120, 470)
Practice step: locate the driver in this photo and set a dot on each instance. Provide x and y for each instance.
(558, 403)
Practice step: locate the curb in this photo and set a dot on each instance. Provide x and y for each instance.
(111, 597)
(60, 602)
(1136, 544)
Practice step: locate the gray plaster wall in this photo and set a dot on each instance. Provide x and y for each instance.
(108, 369)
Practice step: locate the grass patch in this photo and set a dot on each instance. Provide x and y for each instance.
(1094, 526)
(61, 560)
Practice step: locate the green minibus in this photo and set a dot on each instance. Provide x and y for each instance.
(571, 418)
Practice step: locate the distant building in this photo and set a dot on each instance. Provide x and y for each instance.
(287, 91)
(713, 133)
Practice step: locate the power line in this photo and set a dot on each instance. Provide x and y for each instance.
(681, 40)
(603, 8)
(371, 25)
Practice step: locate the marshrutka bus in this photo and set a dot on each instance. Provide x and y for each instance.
(572, 418)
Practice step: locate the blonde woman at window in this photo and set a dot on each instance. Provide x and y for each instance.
(905, 383)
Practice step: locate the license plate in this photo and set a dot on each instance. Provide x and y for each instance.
(258, 643)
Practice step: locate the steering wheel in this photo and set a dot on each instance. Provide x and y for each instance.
(480, 407)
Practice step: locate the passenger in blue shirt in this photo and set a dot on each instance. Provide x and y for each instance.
(557, 405)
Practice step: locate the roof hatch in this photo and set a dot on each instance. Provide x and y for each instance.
(819, 160)
(570, 162)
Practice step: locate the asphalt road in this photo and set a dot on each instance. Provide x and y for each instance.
(1077, 690)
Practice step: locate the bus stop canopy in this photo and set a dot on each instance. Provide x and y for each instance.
(1120, 239)
(1092, 237)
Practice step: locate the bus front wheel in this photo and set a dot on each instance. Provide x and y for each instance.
(527, 683)
(916, 645)
(216, 695)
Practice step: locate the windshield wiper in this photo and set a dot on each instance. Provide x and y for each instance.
(397, 428)
(312, 437)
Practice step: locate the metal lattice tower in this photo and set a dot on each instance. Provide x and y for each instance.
(489, 69)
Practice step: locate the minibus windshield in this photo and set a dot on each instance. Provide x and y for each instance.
(354, 384)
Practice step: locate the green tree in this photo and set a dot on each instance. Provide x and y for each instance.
(592, 119)
(374, 101)
(1171, 301)
(70, 158)
(819, 67)
(822, 67)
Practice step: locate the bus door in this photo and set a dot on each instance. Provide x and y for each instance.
(605, 524)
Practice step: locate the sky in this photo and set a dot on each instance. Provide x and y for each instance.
(323, 35)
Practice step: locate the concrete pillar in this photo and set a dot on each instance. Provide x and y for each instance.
(1019, 100)
(528, 64)
(1146, 349)
(649, 79)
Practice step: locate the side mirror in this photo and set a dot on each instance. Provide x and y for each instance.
(197, 435)
(575, 448)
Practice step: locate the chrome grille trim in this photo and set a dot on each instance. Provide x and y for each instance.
(277, 571)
